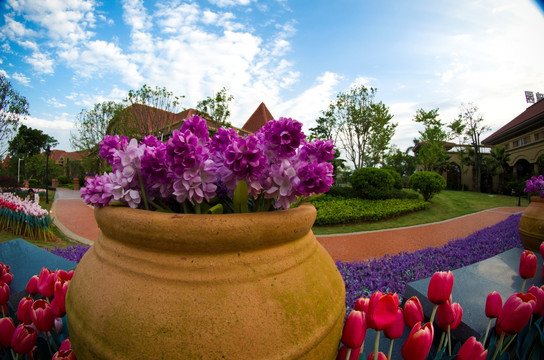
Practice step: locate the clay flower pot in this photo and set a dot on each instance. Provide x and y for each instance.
(176, 286)
(531, 224)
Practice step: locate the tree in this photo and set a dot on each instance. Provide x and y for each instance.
(500, 158)
(474, 127)
(402, 162)
(92, 125)
(147, 111)
(325, 131)
(357, 122)
(217, 107)
(12, 107)
(383, 132)
(431, 155)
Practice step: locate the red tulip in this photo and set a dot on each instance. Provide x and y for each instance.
(539, 295)
(23, 339)
(6, 277)
(46, 283)
(440, 287)
(66, 345)
(457, 315)
(4, 293)
(381, 356)
(59, 301)
(361, 304)
(382, 311)
(472, 350)
(515, 313)
(354, 331)
(7, 327)
(527, 264)
(42, 315)
(418, 343)
(65, 355)
(24, 309)
(32, 285)
(395, 331)
(444, 315)
(493, 305)
(343, 351)
(413, 312)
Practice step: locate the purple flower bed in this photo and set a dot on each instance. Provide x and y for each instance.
(73, 252)
(392, 273)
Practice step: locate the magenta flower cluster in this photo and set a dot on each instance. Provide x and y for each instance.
(535, 186)
(276, 163)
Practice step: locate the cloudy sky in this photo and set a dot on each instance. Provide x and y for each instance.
(295, 56)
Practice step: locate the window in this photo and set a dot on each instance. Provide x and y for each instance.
(537, 136)
(520, 142)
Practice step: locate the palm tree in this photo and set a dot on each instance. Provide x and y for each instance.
(501, 159)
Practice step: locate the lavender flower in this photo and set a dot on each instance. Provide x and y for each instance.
(313, 178)
(110, 145)
(198, 127)
(244, 159)
(281, 138)
(98, 191)
(72, 252)
(535, 186)
(317, 150)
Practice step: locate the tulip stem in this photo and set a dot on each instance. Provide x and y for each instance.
(441, 342)
(377, 344)
(390, 349)
(433, 313)
(487, 331)
(509, 342)
(523, 285)
(499, 345)
(348, 354)
(362, 346)
(48, 344)
(449, 341)
(14, 355)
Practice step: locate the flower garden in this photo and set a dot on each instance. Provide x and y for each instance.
(24, 218)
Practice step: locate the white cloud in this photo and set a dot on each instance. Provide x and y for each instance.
(21, 78)
(225, 3)
(41, 63)
(55, 103)
(60, 122)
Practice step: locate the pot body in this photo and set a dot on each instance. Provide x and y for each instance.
(531, 224)
(233, 286)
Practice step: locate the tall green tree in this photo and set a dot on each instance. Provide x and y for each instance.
(500, 159)
(92, 125)
(217, 107)
(384, 130)
(324, 130)
(402, 162)
(431, 155)
(474, 128)
(13, 107)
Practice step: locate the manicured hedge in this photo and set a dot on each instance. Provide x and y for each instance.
(372, 183)
(336, 210)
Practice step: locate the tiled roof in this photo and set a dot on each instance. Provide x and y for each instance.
(533, 112)
(256, 121)
(77, 155)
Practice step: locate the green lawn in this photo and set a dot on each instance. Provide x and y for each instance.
(446, 205)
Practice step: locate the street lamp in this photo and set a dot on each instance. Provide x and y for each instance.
(47, 152)
(18, 170)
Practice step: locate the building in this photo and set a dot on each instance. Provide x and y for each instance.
(62, 158)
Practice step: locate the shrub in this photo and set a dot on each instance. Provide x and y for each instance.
(342, 191)
(427, 183)
(372, 183)
(33, 183)
(398, 179)
(63, 179)
(8, 183)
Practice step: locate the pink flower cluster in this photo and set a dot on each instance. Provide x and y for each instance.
(276, 163)
(535, 186)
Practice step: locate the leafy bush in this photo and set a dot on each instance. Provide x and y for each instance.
(7, 183)
(397, 178)
(33, 183)
(401, 194)
(372, 183)
(336, 210)
(342, 191)
(427, 183)
(63, 179)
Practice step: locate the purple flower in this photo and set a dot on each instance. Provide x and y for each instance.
(198, 127)
(221, 140)
(155, 172)
(281, 138)
(110, 145)
(535, 186)
(245, 158)
(151, 141)
(313, 178)
(317, 150)
(98, 191)
(183, 152)
(282, 175)
(196, 184)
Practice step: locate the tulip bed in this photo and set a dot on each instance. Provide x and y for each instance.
(24, 218)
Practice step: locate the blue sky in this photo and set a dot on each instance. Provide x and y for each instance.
(295, 56)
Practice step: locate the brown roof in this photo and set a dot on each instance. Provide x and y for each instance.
(256, 121)
(534, 115)
(76, 155)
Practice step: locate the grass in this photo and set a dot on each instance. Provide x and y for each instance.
(446, 205)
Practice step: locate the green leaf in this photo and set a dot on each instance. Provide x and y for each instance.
(240, 198)
(217, 209)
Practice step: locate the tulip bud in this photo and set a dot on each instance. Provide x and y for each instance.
(6, 277)
(515, 313)
(472, 350)
(493, 305)
(42, 315)
(7, 327)
(361, 304)
(539, 295)
(46, 283)
(382, 311)
(64, 355)
(444, 315)
(457, 315)
(58, 325)
(66, 345)
(440, 287)
(4, 293)
(354, 331)
(381, 356)
(23, 339)
(413, 312)
(343, 351)
(396, 330)
(24, 309)
(32, 285)
(418, 343)
(527, 265)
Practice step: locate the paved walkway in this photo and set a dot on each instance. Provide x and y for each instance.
(76, 221)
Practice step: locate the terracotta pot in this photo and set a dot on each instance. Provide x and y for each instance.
(531, 224)
(236, 286)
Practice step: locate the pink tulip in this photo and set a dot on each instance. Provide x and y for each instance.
(396, 330)
(64, 355)
(46, 283)
(381, 356)
(539, 295)
(418, 343)
(493, 305)
(472, 350)
(32, 285)
(7, 327)
(382, 311)
(66, 345)
(527, 265)
(515, 313)
(23, 339)
(42, 315)
(361, 304)
(440, 287)
(4, 293)
(354, 331)
(413, 312)
(343, 351)
(24, 309)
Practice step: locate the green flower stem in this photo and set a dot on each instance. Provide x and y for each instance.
(390, 349)
(157, 206)
(14, 355)
(186, 208)
(433, 314)
(348, 354)
(144, 197)
(487, 332)
(449, 341)
(499, 345)
(441, 342)
(48, 344)
(509, 342)
(523, 285)
(377, 344)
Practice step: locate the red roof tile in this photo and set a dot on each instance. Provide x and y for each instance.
(531, 113)
(256, 121)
